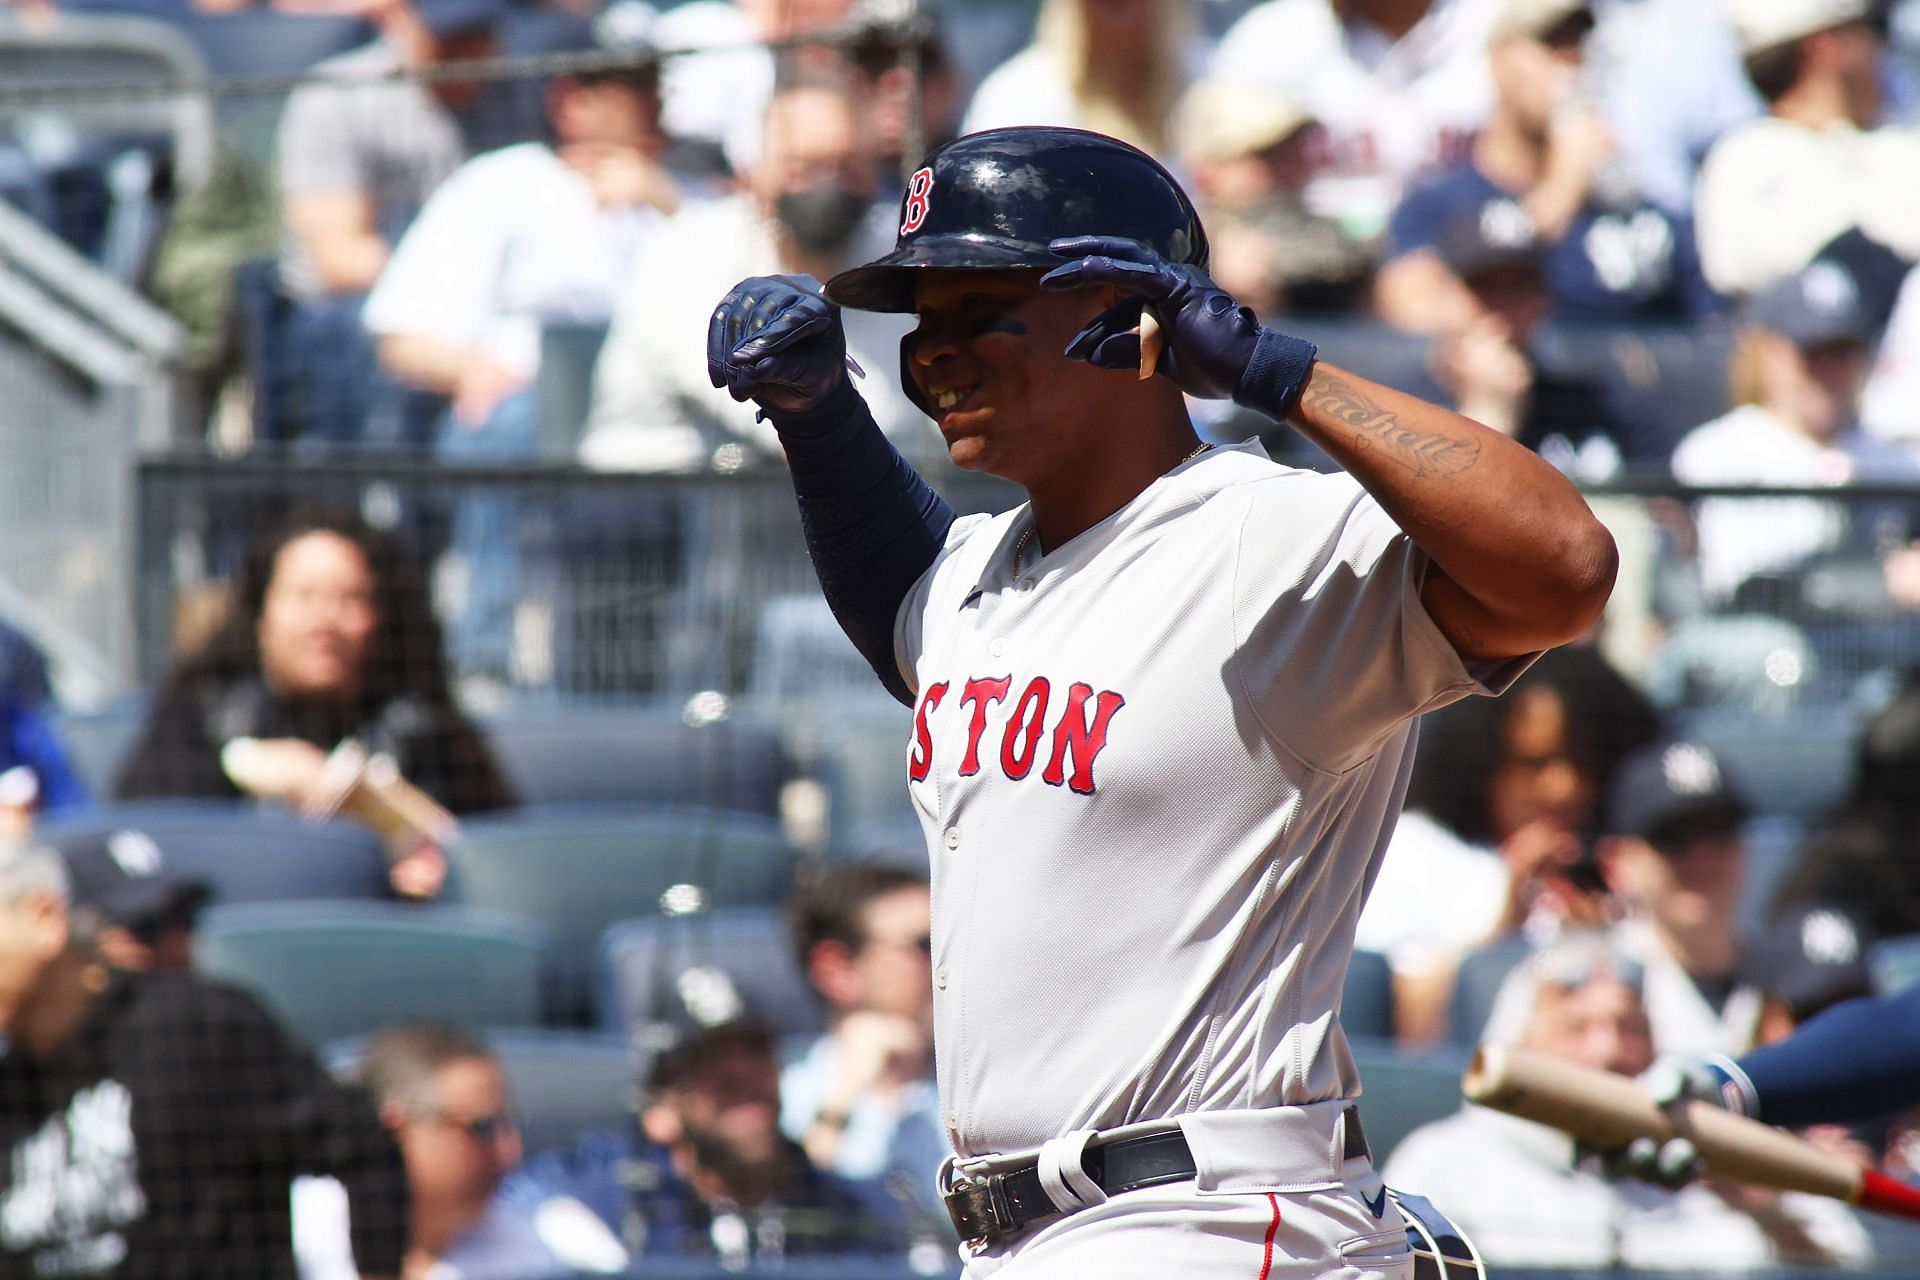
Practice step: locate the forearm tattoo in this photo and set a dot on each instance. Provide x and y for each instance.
(1421, 452)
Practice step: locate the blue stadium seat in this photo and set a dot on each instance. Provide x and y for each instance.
(1366, 1001)
(563, 1082)
(557, 753)
(861, 760)
(347, 968)
(97, 740)
(1401, 1091)
(577, 873)
(245, 852)
(1476, 986)
(661, 969)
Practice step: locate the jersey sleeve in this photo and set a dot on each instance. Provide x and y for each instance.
(1335, 647)
(1855, 1061)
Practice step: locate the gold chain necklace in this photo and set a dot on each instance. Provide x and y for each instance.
(1026, 535)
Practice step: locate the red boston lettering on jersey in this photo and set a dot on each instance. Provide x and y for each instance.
(982, 692)
(922, 758)
(1020, 745)
(919, 201)
(1084, 739)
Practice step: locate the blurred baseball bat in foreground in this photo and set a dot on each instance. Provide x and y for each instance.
(1608, 1111)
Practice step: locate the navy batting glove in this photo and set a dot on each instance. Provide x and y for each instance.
(777, 341)
(1215, 347)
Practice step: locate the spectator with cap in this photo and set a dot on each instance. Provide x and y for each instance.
(1799, 363)
(146, 911)
(361, 146)
(445, 1098)
(1606, 254)
(1804, 960)
(1249, 149)
(860, 1098)
(1531, 1203)
(152, 1124)
(708, 1172)
(1675, 855)
(1774, 192)
(1507, 366)
(513, 240)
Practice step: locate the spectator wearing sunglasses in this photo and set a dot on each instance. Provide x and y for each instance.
(443, 1095)
(861, 1097)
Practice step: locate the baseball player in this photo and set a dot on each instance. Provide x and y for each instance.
(1163, 711)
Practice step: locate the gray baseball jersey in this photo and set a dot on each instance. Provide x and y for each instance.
(1156, 769)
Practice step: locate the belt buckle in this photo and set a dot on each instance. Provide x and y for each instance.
(979, 1209)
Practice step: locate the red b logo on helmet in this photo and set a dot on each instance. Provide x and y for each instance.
(919, 187)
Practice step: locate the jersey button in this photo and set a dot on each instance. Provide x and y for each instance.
(953, 837)
(1023, 585)
(998, 647)
(940, 977)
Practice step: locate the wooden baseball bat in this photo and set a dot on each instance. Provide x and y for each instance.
(1608, 1111)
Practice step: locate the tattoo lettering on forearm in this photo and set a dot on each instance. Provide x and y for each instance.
(1422, 453)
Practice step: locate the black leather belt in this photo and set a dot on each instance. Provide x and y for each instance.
(1000, 1205)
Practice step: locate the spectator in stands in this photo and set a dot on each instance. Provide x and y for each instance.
(887, 88)
(515, 239)
(1399, 87)
(1774, 192)
(709, 1173)
(144, 912)
(809, 207)
(329, 638)
(1505, 365)
(1675, 854)
(35, 773)
(1113, 66)
(1797, 371)
(1248, 149)
(1607, 254)
(152, 1124)
(1806, 959)
(1497, 834)
(1528, 1204)
(861, 1097)
(360, 149)
(443, 1095)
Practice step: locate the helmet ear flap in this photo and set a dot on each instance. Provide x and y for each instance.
(908, 342)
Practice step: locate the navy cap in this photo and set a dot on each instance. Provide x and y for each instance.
(1669, 788)
(449, 18)
(1813, 956)
(1493, 235)
(123, 875)
(1815, 306)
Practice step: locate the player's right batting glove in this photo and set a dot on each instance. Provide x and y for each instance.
(1216, 348)
(777, 341)
(1672, 1082)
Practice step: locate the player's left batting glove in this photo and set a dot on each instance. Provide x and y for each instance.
(776, 340)
(1215, 347)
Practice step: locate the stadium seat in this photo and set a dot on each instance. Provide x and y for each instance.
(1895, 963)
(1797, 764)
(1477, 986)
(338, 969)
(660, 969)
(557, 753)
(245, 852)
(97, 740)
(563, 1082)
(861, 761)
(577, 873)
(1401, 1091)
(563, 388)
(1366, 1002)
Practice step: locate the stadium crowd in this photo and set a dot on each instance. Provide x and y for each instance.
(1563, 217)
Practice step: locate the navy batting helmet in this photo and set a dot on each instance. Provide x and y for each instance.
(996, 199)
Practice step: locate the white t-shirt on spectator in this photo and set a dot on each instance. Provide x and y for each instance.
(1890, 404)
(512, 240)
(720, 94)
(1392, 110)
(1436, 897)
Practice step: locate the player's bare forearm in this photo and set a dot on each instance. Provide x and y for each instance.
(1520, 562)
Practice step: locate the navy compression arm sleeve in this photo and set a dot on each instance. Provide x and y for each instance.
(872, 525)
(1853, 1062)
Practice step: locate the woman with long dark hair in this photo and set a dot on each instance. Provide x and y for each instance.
(330, 637)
